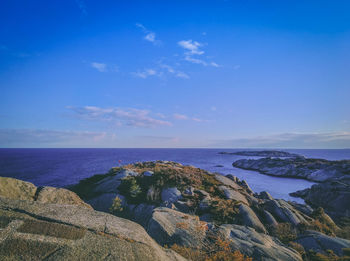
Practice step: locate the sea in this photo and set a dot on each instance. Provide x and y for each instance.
(64, 167)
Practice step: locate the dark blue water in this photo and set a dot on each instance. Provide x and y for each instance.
(61, 167)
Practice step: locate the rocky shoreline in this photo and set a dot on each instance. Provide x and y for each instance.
(333, 177)
(161, 211)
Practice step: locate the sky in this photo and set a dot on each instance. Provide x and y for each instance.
(174, 74)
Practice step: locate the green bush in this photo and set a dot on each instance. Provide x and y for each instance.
(117, 206)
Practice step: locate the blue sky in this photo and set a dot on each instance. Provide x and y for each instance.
(83, 73)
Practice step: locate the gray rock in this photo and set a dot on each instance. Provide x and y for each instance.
(333, 197)
(226, 181)
(189, 191)
(202, 193)
(244, 184)
(269, 219)
(250, 219)
(141, 213)
(320, 242)
(104, 201)
(284, 212)
(265, 195)
(256, 245)
(148, 173)
(168, 226)
(204, 204)
(233, 178)
(233, 194)
(170, 195)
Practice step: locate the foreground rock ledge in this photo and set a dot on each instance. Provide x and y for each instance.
(35, 231)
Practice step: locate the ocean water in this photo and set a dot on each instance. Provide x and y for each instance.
(62, 167)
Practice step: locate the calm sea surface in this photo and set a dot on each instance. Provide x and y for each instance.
(62, 167)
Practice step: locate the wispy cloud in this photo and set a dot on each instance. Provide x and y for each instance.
(82, 6)
(290, 140)
(193, 52)
(39, 138)
(101, 67)
(178, 116)
(120, 116)
(149, 35)
(146, 73)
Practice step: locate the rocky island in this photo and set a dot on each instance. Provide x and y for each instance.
(333, 191)
(263, 153)
(162, 211)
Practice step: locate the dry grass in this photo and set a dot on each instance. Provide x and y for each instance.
(51, 229)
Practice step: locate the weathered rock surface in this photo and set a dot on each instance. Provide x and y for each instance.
(233, 194)
(250, 219)
(256, 245)
(18, 189)
(284, 212)
(168, 226)
(37, 231)
(320, 243)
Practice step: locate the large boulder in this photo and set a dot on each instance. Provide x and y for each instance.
(170, 195)
(256, 245)
(168, 227)
(319, 242)
(37, 231)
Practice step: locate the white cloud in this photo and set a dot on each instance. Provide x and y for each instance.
(149, 35)
(213, 108)
(146, 73)
(182, 75)
(101, 67)
(197, 119)
(46, 138)
(236, 67)
(178, 116)
(191, 46)
(121, 116)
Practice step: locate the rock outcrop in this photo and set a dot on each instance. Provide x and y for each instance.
(320, 243)
(333, 197)
(18, 189)
(256, 245)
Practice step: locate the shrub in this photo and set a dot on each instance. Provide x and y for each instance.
(224, 211)
(117, 206)
(131, 189)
